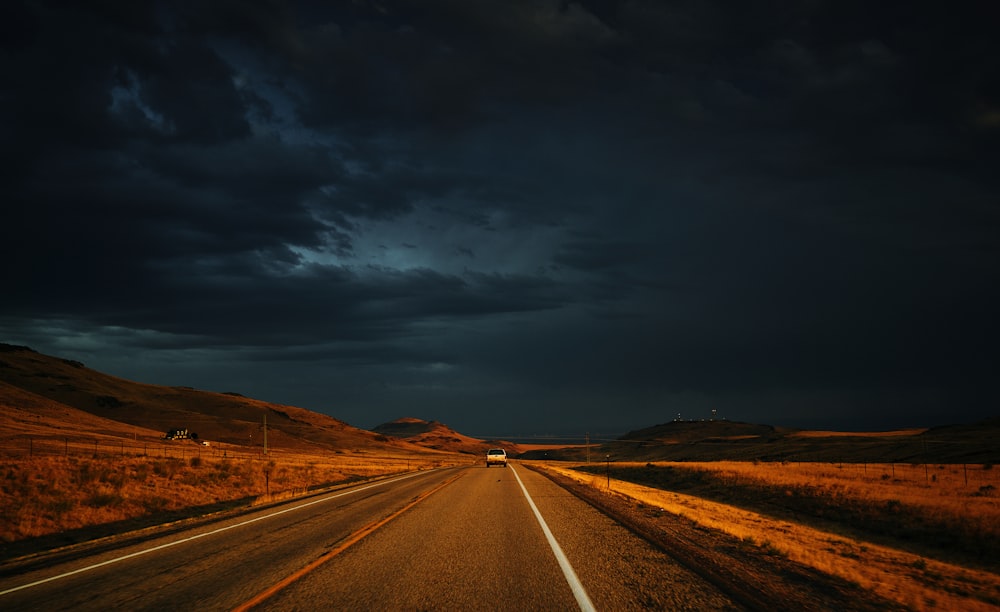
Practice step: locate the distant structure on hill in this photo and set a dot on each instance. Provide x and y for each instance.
(180, 434)
(714, 417)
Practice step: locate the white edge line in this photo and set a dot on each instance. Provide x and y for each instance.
(202, 535)
(574, 582)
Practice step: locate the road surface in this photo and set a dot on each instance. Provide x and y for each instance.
(458, 538)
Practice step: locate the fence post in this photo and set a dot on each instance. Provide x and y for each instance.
(927, 477)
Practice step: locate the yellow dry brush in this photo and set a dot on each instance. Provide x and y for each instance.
(915, 580)
(49, 494)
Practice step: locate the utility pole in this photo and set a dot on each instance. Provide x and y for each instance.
(588, 447)
(265, 434)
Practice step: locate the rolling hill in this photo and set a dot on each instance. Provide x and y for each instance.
(432, 434)
(737, 441)
(48, 397)
(45, 396)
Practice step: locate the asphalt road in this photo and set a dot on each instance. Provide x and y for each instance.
(449, 539)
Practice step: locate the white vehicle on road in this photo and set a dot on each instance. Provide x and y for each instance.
(496, 456)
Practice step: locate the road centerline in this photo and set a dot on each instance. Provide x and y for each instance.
(582, 599)
(351, 540)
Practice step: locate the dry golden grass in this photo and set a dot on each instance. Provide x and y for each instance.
(917, 581)
(66, 462)
(898, 433)
(943, 493)
(40, 495)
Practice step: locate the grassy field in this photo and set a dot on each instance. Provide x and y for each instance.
(41, 495)
(950, 511)
(926, 536)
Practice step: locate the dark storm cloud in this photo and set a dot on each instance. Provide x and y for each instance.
(547, 208)
(413, 66)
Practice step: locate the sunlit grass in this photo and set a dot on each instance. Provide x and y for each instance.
(951, 509)
(917, 580)
(44, 495)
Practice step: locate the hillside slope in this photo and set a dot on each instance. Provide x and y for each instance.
(736, 441)
(29, 377)
(24, 414)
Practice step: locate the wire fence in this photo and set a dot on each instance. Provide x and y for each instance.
(927, 472)
(365, 462)
(970, 476)
(67, 447)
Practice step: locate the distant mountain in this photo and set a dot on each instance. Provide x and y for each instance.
(680, 432)
(439, 436)
(46, 394)
(48, 397)
(736, 441)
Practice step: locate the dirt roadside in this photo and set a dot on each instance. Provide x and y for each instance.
(754, 577)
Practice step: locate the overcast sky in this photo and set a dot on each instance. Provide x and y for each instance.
(513, 216)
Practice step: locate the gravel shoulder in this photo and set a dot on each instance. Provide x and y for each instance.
(754, 576)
